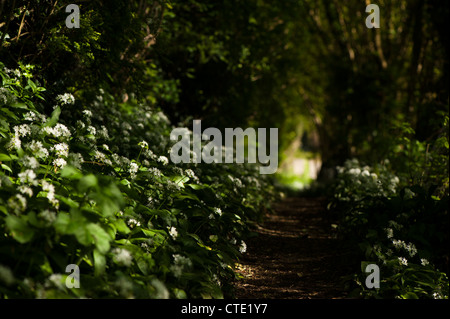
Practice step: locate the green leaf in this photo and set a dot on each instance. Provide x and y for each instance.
(101, 237)
(409, 295)
(5, 157)
(6, 167)
(54, 117)
(71, 172)
(86, 182)
(121, 226)
(99, 262)
(19, 229)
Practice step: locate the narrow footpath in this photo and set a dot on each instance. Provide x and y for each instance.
(296, 255)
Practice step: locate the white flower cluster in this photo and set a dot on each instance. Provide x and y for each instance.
(173, 232)
(190, 173)
(357, 182)
(17, 204)
(61, 149)
(410, 248)
(133, 223)
(37, 149)
(181, 263)
(50, 189)
(122, 257)
(59, 130)
(65, 98)
(164, 160)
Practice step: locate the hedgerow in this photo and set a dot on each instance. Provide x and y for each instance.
(401, 228)
(92, 185)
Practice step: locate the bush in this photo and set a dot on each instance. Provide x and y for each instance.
(402, 229)
(92, 186)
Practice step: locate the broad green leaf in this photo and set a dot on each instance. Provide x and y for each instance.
(87, 182)
(19, 229)
(99, 262)
(101, 237)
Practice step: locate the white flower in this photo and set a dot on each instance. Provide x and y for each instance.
(15, 143)
(87, 113)
(38, 149)
(48, 216)
(59, 130)
(22, 130)
(91, 130)
(60, 162)
(30, 162)
(173, 232)
(143, 144)
(28, 176)
(18, 203)
(412, 250)
(398, 243)
(49, 188)
(133, 222)
(354, 171)
(25, 190)
(365, 173)
(243, 247)
(163, 159)
(180, 263)
(424, 262)
(61, 149)
(389, 232)
(65, 98)
(56, 279)
(122, 257)
(403, 261)
(134, 168)
(99, 156)
(218, 211)
(154, 171)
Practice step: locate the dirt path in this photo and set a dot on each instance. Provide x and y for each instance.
(295, 255)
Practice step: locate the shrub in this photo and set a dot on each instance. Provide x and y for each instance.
(93, 187)
(402, 229)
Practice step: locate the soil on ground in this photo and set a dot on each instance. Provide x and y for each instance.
(296, 254)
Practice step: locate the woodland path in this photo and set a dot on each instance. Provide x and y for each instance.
(295, 255)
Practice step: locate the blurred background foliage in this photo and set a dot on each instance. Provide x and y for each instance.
(310, 68)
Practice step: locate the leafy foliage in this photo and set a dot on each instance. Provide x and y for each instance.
(106, 198)
(402, 229)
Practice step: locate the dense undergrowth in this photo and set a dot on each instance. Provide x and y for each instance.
(398, 220)
(92, 185)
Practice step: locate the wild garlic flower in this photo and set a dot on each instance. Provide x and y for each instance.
(59, 130)
(61, 149)
(143, 144)
(164, 160)
(403, 261)
(133, 222)
(173, 232)
(28, 176)
(243, 247)
(65, 98)
(59, 163)
(122, 257)
(87, 113)
(22, 130)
